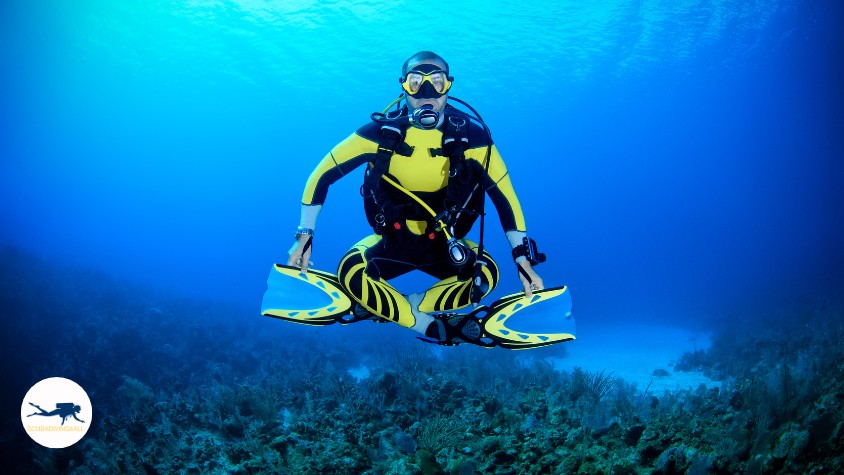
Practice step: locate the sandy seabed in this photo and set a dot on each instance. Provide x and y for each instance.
(635, 352)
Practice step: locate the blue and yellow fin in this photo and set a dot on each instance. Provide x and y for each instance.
(513, 322)
(315, 298)
(518, 323)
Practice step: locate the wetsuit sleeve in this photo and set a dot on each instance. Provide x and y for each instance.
(500, 189)
(340, 161)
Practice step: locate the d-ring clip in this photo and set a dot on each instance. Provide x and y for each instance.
(456, 125)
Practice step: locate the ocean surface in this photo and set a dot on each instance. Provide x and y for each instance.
(680, 163)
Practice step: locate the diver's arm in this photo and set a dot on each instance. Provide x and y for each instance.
(298, 256)
(342, 159)
(500, 190)
(296, 253)
(503, 196)
(339, 162)
(516, 238)
(535, 282)
(307, 218)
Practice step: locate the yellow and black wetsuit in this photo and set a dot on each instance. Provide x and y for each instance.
(366, 268)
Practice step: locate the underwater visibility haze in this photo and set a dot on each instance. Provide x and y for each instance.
(681, 164)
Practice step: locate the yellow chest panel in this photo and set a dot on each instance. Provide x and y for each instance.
(421, 171)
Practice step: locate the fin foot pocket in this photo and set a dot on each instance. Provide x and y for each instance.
(453, 329)
(360, 313)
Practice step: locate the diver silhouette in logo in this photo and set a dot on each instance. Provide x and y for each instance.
(63, 409)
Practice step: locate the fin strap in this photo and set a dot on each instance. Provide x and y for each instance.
(524, 273)
(447, 333)
(307, 246)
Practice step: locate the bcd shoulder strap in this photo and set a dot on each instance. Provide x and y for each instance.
(462, 195)
(455, 143)
(390, 141)
(455, 135)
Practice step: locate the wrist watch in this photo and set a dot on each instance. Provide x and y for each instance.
(528, 251)
(300, 231)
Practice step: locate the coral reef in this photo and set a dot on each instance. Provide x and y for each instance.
(186, 387)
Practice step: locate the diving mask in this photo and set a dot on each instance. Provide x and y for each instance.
(426, 81)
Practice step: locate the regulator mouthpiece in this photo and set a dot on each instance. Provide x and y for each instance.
(425, 117)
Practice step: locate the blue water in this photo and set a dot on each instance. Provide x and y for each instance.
(675, 160)
(671, 158)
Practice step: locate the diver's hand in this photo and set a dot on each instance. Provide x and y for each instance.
(536, 281)
(295, 254)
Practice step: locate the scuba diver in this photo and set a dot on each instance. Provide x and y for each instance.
(63, 410)
(428, 166)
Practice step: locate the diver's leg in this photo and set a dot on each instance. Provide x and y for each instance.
(363, 272)
(454, 290)
(41, 413)
(424, 322)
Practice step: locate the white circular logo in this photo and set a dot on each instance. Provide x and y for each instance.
(56, 413)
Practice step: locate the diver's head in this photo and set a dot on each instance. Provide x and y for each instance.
(425, 81)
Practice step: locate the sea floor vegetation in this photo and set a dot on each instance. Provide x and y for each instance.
(184, 386)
